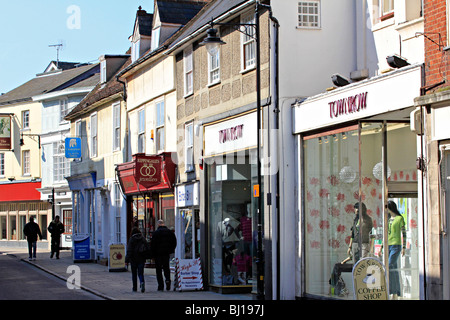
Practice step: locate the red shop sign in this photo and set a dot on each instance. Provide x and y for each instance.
(148, 170)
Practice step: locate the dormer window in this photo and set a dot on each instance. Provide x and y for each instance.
(103, 71)
(155, 38)
(135, 50)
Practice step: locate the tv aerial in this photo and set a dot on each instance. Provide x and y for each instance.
(58, 47)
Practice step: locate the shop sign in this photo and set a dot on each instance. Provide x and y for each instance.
(189, 274)
(369, 280)
(116, 257)
(73, 148)
(5, 132)
(381, 94)
(187, 195)
(235, 134)
(348, 105)
(148, 171)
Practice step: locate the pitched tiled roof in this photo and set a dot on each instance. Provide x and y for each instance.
(86, 75)
(214, 9)
(178, 11)
(100, 92)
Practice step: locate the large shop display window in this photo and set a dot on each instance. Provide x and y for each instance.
(232, 218)
(344, 201)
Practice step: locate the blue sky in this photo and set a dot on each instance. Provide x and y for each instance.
(87, 29)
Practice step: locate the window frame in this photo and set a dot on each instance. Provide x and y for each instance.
(116, 126)
(189, 147)
(25, 119)
(248, 40)
(141, 131)
(94, 135)
(26, 163)
(188, 72)
(160, 126)
(63, 109)
(309, 4)
(2, 164)
(61, 165)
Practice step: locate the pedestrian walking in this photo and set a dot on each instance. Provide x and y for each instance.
(56, 229)
(32, 231)
(163, 244)
(137, 252)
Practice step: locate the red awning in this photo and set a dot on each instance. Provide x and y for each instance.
(20, 191)
(145, 173)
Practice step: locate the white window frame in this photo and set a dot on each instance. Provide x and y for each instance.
(26, 162)
(382, 10)
(141, 131)
(2, 164)
(135, 50)
(160, 122)
(189, 147)
(26, 119)
(307, 10)
(248, 43)
(63, 109)
(155, 38)
(214, 68)
(61, 165)
(103, 71)
(94, 134)
(116, 126)
(188, 72)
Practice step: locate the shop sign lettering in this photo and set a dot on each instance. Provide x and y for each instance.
(231, 134)
(348, 105)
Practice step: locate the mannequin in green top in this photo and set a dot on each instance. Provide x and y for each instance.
(397, 245)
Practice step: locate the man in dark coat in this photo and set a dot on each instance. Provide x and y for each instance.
(56, 229)
(32, 231)
(163, 244)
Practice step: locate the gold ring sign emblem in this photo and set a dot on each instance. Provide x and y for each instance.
(147, 170)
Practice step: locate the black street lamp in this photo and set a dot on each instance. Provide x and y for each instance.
(212, 43)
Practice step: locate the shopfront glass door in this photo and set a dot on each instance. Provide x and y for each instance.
(232, 215)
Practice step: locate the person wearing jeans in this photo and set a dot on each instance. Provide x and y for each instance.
(136, 257)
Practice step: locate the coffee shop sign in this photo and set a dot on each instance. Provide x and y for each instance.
(348, 105)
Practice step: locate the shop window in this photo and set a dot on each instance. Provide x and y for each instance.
(232, 218)
(343, 177)
(12, 227)
(3, 227)
(22, 223)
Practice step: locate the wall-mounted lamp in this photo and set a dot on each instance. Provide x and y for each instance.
(395, 61)
(212, 42)
(339, 80)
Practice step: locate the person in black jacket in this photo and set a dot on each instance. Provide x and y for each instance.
(163, 244)
(56, 229)
(32, 231)
(136, 256)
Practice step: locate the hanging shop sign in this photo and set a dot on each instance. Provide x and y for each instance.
(5, 132)
(369, 280)
(147, 173)
(189, 274)
(388, 92)
(148, 170)
(72, 148)
(237, 133)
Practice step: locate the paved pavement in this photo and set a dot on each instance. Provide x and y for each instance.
(97, 279)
